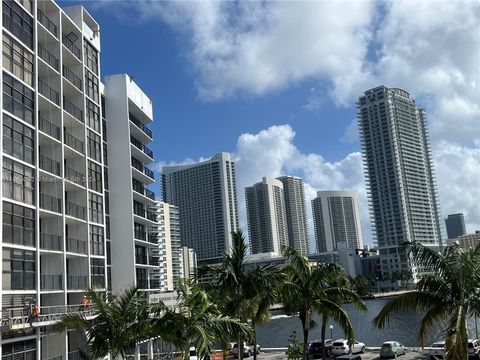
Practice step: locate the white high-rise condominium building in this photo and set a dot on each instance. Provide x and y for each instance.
(266, 216)
(206, 196)
(399, 173)
(296, 212)
(169, 246)
(336, 221)
(128, 111)
(53, 230)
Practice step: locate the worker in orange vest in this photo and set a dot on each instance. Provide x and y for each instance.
(85, 302)
(35, 311)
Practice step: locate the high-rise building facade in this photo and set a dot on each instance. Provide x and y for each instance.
(296, 212)
(336, 220)
(399, 174)
(169, 246)
(128, 112)
(455, 224)
(206, 196)
(266, 216)
(53, 229)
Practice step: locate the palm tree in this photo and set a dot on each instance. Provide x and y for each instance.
(114, 327)
(449, 291)
(312, 289)
(198, 321)
(258, 311)
(238, 284)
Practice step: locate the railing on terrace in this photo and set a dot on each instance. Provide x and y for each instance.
(48, 57)
(73, 110)
(138, 144)
(50, 242)
(48, 92)
(49, 165)
(48, 127)
(73, 142)
(74, 176)
(74, 79)
(141, 126)
(70, 45)
(150, 194)
(76, 246)
(49, 202)
(45, 21)
(77, 282)
(75, 210)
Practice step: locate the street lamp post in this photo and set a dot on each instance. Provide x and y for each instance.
(331, 331)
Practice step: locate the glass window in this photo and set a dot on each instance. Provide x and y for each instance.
(97, 240)
(17, 59)
(18, 225)
(91, 86)
(18, 22)
(18, 181)
(94, 147)
(18, 269)
(95, 203)
(93, 116)
(94, 176)
(18, 139)
(91, 56)
(17, 98)
(20, 350)
(97, 269)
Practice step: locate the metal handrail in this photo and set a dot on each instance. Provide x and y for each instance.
(75, 210)
(49, 202)
(74, 49)
(45, 21)
(51, 281)
(141, 126)
(48, 92)
(48, 57)
(73, 142)
(50, 242)
(74, 79)
(72, 109)
(49, 165)
(77, 282)
(74, 176)
(48, 127)
(76, 246)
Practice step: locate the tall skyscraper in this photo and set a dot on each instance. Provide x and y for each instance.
(128, 112)
(399, 174)
(53, 219)
(296, 212)
(336, 221)
(266, 215)
(206, 196)
(455, 224)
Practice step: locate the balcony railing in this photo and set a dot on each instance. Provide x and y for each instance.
(49, 202)
(70, 45)
(137, 164)
(140, 235)
(151, 216)
(73, 142)
(49, 165)
(150, 194)
(77, 282)
(48, 57)
(45, 21)
(50, 242)
(75, 210)
(77, 246)
(149, 173)
(141, 126)
(74, 79)
(153, 238)
(48, 92)
(73, 110)
(74, 176)
(139, 259)
(51, 282)
(138, 144)
(48, 127)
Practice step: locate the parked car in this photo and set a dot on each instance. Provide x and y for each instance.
(473, 348)
(341, 347)
(437, 350)
(392, 349)
(247, 350)
(315, 348)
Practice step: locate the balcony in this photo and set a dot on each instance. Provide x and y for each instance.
(48, 127)
(77, 282)
(69, 42)
(140, 235)
(51, 282)
(142, 260)
(74, 176)
(141, 126)
(150, 194)
(73, 142)
(51, 203)
(137, 164)
(48, 57)
(50, 242)
(48, 92)
(73, 110)
(49, 165)
(77, 211)
(77, 246)
(70, 76)
(47, 23)
(141, 147)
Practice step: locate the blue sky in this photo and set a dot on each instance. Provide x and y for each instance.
(275, 83)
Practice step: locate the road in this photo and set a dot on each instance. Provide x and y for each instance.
(369, 355)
